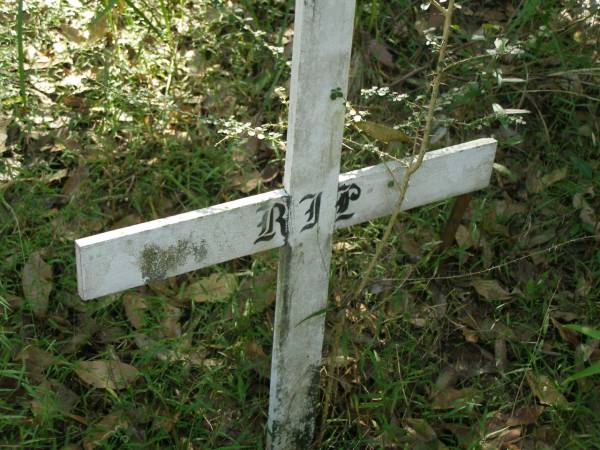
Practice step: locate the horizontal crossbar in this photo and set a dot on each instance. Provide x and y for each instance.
(128, 257)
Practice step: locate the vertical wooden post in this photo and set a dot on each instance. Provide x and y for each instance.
(321, 58)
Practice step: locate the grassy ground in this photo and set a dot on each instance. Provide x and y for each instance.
(133, 110)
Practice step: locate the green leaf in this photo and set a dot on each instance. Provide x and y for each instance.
(583, 167)
(591, 332)
(594, 369)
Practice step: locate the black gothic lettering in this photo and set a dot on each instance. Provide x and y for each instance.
(346, 193)
(271, 215)
(313, 210)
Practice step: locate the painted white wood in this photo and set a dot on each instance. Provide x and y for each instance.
(371, 192)
(112, 262)
(320, 64)
(117, 260)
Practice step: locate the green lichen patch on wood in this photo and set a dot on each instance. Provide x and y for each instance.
(156, 262)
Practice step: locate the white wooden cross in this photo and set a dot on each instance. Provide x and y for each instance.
(300, 218)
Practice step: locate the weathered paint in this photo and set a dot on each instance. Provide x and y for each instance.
(121, 259)
(129, 257)
(320, 65)
(155, 262)
(445, 173)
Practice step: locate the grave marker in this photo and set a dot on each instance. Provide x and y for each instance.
(300, 218)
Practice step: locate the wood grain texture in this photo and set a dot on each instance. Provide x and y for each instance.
(321, 58)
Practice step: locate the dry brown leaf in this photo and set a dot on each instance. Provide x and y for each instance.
(465, 237)
(490, 289)
(447, 378)
(338, 361)
(501, 354)
(382, 132)
(135, 309)
(554, 176)
(410, 246)
(171, 328)
(76, 177)
(127, 221)
(37, 283)
(419, 431)
(269, 173)
(85, 329)
(533, 183)
(56, 176)
(53, 394)
(214, 288)
(584, 286)
(110, 335)
(464, 434)
(104, 429)
(71, 33)
(504, 439)
(255, 353)
(487, 253)
(4, 121)
(262, 289)
(536, 184)
(105, 374)
(546, 391)
(525, 415)
(381, 53)
(586, 213)
(247, 182)
(98, 28)
(567, 335)
(540, 238)
(470, 336)
(508, 208)
(36, 362)
(455, 398)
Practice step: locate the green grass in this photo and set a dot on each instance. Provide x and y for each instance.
(156, 126)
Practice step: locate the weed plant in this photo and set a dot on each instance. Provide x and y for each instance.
(119, 112)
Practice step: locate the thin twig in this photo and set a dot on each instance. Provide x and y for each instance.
(418, 160)
(499, 266)
(407, 75)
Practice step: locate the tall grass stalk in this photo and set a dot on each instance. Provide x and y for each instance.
(21, 52)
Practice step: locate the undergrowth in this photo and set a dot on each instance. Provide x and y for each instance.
(129, 111)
